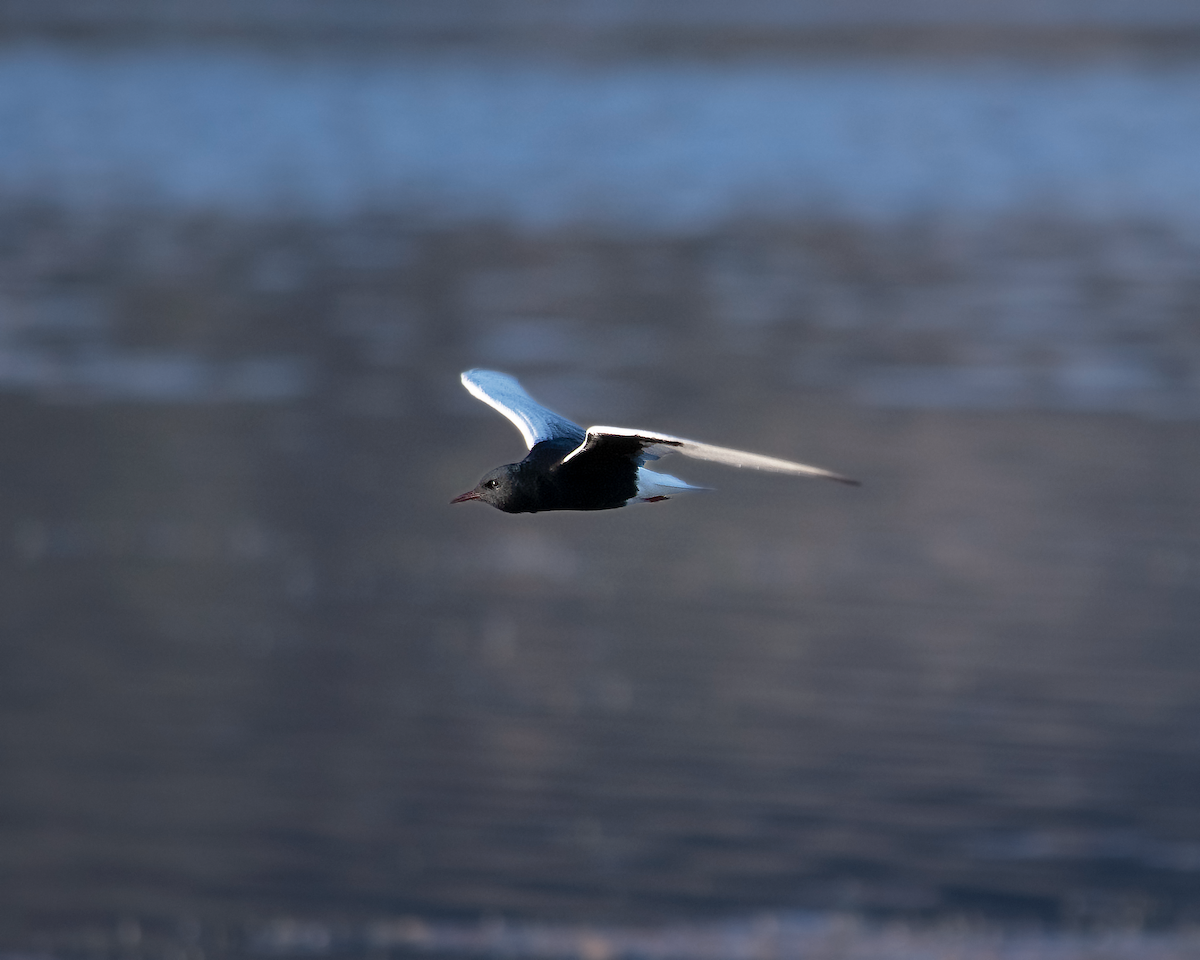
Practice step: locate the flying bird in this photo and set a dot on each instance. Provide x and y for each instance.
(601, 468)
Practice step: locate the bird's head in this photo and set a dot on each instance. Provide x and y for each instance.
(500, 488)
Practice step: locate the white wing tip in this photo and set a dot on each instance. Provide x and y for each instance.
(726, 455)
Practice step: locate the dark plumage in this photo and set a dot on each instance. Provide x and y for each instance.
(602, 468)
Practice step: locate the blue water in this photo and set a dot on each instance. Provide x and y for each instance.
(670, 147)
(265, 693)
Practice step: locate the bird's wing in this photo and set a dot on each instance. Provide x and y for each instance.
(503, 393)
(651, 446)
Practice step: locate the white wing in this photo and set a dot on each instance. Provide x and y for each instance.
(503, 393)
(655, 445)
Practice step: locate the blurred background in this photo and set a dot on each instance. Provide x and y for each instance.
(264, 692)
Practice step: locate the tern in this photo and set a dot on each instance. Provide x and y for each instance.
(601, 468)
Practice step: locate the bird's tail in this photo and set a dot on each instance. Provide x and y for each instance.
(652, 485)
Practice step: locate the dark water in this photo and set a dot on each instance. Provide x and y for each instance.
(255, 666)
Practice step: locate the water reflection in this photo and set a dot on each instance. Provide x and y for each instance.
(257, 668)
(650, 146)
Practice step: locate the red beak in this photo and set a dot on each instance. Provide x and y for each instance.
(469, 495)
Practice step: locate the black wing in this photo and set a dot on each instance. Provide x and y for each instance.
(643, 445)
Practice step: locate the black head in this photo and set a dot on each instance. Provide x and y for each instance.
(501, 488)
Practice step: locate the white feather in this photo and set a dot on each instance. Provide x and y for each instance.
(660, 444)
(651, 484)
(503, 394)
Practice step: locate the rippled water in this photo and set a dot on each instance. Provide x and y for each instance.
(260, 678)
(264, 692)
(656, 146)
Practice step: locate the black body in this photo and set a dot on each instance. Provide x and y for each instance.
(569, 468)
(601, 477)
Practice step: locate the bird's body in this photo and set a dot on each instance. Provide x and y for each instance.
(602, 468)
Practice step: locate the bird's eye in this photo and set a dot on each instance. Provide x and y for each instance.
(492, 484)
